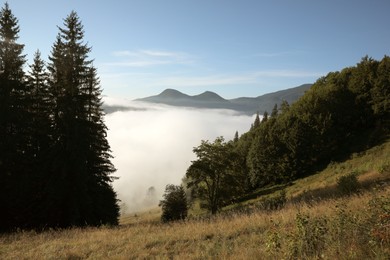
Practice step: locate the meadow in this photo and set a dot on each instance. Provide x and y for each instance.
(317, 221)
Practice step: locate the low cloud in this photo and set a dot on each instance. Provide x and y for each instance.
(148, 58)
(153, 147)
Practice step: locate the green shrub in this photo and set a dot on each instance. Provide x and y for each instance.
(309, 238)
(348, 184)
(174, 205)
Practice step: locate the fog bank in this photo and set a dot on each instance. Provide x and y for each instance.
(152, 147)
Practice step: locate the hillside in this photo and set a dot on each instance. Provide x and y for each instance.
(316, 222)
(266, 102)
(246, 105)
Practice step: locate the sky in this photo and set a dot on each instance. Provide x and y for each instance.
(232, 47)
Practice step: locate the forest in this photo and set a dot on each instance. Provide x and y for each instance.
(55, 160)
(55, 168)
(342, 113)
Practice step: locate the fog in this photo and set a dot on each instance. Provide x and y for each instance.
(152, 146)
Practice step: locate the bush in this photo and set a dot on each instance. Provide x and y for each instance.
(348, 184)
(174, 205)
(309, 238)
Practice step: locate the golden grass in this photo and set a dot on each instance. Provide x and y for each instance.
(255, 236)
(152, 215)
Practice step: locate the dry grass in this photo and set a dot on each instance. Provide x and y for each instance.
(151, 216)
(348, 222)
(354, 227)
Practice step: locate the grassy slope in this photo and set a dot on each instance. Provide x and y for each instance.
(333, 227)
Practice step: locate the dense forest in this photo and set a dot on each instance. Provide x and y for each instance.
(342, 113)
(55, 168)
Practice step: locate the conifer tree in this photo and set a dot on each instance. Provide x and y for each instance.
(274, 112)
(265, 117)
(236, 138)
(81, 152)
(256, 123)
(12, 59)
(41, 104)
(14, 119)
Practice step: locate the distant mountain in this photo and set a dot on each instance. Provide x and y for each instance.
(209, 96)
(246, 105)
(170, 94)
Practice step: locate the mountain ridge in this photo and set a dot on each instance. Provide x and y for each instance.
(245, 105)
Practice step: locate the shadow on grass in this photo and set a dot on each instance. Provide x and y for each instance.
(270, 199)
(262, 192)
(333, 192)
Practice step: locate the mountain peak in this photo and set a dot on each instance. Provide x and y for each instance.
(209, 96)
(171, 93)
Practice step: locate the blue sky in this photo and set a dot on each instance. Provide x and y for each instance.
(235, 48)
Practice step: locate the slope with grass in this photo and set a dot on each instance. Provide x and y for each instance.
(317, 221)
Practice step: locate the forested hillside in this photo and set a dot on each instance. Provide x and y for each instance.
(342, 113)
(55, 168)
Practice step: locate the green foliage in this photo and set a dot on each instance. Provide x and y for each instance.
(325, 124)
(212, 176)
(274, 238)
(174, 205)
(309, 238)
(348, 184)
(343, 113)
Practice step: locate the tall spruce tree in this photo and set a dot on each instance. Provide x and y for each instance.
(81, 189)
(14, 119)
(41, 105)
(12, 59)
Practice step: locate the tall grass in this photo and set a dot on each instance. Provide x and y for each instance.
(356, 227)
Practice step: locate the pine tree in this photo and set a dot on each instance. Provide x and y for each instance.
(12, 60)
(236, 138)
(14, 121)
(81, 154)
(256, 123)
(274, 112)
(265, 117)
(41, 105)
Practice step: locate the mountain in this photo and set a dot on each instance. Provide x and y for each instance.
(245, 105)
(173, 97)
(209, 96)
(170, 94)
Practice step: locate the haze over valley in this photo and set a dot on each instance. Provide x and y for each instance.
(152, 138)
(164, 152)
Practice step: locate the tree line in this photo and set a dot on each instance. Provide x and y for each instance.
(343, 112)
(55, 161)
